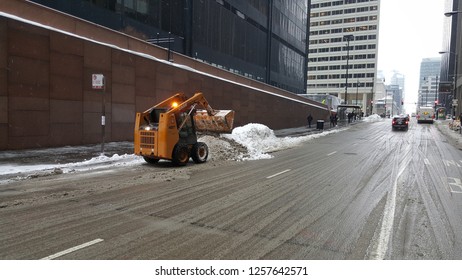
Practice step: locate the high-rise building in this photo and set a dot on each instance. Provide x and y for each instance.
(429, 79)
(451, 57)
(265, 40)
(343, 48)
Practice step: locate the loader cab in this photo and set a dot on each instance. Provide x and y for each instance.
(154, 115)
(187, 132)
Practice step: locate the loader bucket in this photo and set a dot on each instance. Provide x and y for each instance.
(221, 122)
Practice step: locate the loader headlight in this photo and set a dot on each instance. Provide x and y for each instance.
(147, 127)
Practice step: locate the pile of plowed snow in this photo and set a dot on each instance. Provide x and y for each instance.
(252, 142)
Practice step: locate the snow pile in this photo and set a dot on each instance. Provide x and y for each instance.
(261, 140)
(373, 118)
(257, 138)
(221, 148)
(94, 163)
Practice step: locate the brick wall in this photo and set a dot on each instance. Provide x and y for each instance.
(46, 98)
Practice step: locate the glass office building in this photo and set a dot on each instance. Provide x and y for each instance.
(265, 40)
(343, 49)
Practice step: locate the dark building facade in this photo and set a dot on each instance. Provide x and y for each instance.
(265, 40)
(449, 59)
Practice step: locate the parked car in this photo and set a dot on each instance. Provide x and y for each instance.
(400, 122)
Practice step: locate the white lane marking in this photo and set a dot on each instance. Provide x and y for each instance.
(331, 153)
(451, 163)
(73, 249)
(388, 216)
(457, 183)
(277, 174)
(426, 161)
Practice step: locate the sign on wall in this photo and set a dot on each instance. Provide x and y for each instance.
(97, 81)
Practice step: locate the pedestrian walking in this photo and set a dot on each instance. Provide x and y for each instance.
(309, 119)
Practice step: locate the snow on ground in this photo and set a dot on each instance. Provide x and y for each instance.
(373, 118)
(91, 164)
(260, 140)
(249, 142)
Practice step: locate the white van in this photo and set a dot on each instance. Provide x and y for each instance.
(425, 114)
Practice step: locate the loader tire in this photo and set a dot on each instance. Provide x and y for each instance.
(180, 155)
(151, 160)
(200, 152)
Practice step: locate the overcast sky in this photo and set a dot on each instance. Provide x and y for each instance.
(409, 31)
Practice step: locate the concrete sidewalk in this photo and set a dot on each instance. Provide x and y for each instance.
(453, 136)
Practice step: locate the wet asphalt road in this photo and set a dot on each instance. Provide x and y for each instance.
(364, 193)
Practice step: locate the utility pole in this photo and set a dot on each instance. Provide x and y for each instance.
(348, 38)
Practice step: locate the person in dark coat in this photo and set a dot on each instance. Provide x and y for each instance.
(309, 119)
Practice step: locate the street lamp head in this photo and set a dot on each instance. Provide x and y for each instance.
(450, 14)
(348, 37)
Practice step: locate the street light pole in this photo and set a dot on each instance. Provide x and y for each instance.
(372, 93)
(357, 87)
(348, 38)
